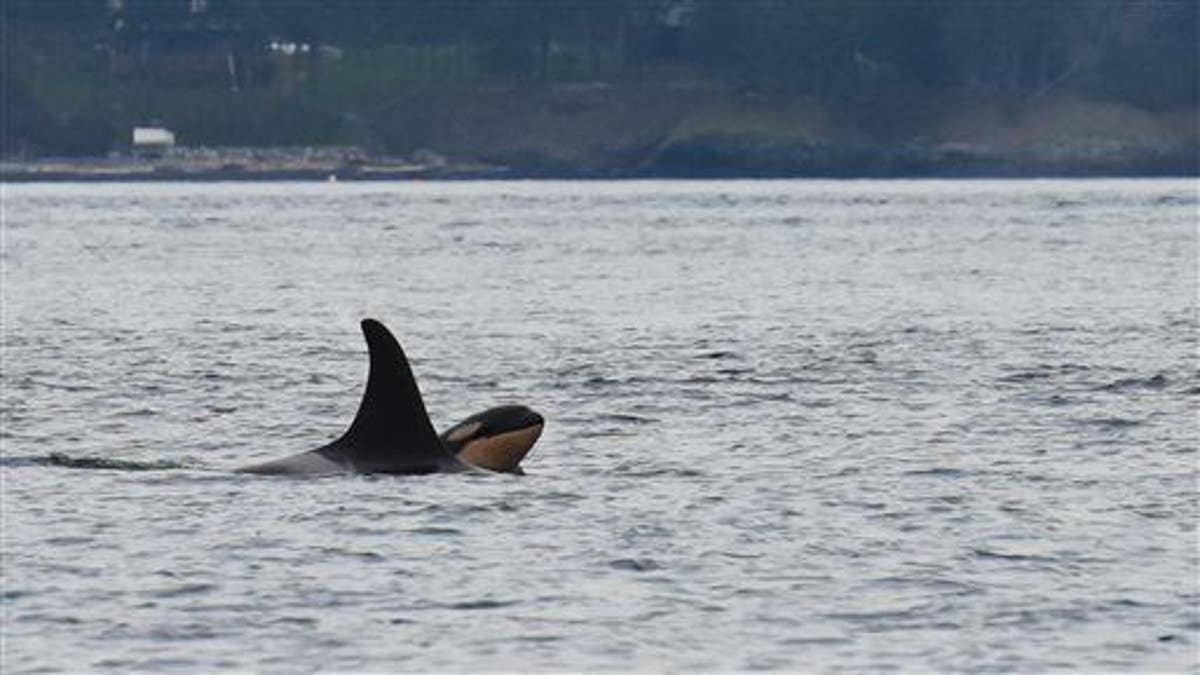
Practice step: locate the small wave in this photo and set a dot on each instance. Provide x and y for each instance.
(185, 589)
(562, 497)
(640, 471)
(1111, 423)
(605, 433)
(437, 531)
(600, 381)
(1042, 372)
(1125, 603)
(985, 554)
(15, 462)
(634, 564)
(739, 556)
(933, 583)
(755, 399)
(74, 388)
(92, 462)
(815, 641)
(296, 621)
(625, 417)
(140, 412)
(1156, 382)
(51, 618)
(882, 615)
(818, 403)
(1066, 203)
(937, 471)
(1025, 376)
(367, 556)
(58, 542)
(482, 604)
(1174, 200)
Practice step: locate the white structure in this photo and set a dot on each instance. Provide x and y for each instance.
(152, 140)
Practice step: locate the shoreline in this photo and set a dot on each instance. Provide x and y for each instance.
(108, 171)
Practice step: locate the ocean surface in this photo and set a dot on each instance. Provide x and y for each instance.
(816, 426)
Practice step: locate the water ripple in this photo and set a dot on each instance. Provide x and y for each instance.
(792, 425)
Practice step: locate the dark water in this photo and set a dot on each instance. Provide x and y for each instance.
(794, 425)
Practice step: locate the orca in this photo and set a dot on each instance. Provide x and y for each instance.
(392, 434)
(496, 439)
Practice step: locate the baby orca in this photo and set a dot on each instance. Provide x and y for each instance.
(391, 433)
(496, 439)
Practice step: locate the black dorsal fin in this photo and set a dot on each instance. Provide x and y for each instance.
(391, 433)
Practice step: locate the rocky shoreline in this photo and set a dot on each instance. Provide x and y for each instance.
(716, 159)
(244, 164)
(66, 170)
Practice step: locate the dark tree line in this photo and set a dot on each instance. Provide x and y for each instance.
(1138, 52)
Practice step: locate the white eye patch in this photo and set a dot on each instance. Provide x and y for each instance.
(464, 432)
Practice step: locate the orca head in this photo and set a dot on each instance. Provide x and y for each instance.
(496, 439)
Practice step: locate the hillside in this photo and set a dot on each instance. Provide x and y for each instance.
(631, 87)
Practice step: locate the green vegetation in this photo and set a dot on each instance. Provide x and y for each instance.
(401, 75)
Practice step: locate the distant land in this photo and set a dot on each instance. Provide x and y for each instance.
(600, 133)
(527, 88)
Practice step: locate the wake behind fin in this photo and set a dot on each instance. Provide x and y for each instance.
(391, 433)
